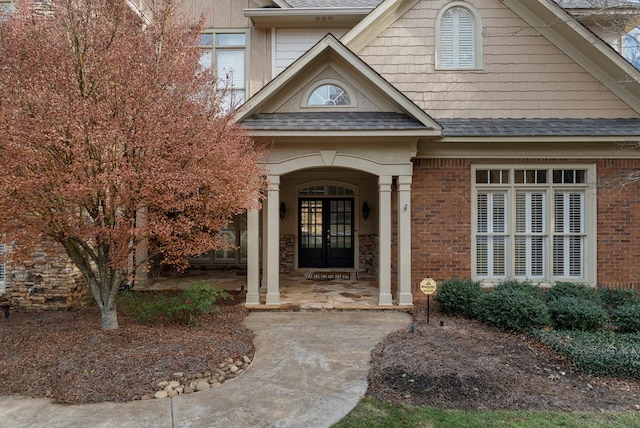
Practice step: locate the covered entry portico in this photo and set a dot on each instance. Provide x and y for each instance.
(271, 235)
(330, 117)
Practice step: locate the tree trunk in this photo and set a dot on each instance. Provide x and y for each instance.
(109, 318)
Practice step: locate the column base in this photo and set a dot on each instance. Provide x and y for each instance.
(405, 299)
(385, 299)
(273, 299)
(253, 299)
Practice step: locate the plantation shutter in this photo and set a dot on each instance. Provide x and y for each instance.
(569, 234)
(491, 237)
(457, 39)
(529, 234)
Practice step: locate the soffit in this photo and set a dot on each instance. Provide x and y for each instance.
(306, 17)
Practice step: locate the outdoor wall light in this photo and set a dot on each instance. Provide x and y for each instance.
(365, 211)
(283, 210)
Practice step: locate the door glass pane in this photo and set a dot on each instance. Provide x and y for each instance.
(311, 224)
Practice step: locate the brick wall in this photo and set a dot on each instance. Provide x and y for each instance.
(440, 220)
(618, 224)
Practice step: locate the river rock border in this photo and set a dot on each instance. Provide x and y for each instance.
(181, 384)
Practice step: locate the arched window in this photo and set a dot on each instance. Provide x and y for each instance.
(459, 38)
(328, 95)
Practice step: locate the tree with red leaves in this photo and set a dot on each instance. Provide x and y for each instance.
(111, 135)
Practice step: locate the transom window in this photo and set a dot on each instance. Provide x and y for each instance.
(328, 190)
(458, 29)
(225, 53)
(329, 95)
(533, 223)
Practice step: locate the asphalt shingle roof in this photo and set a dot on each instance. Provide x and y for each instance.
(332, 121)
(539, 127)
(371, 121)
(595, 4)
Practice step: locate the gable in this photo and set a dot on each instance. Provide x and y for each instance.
(282, 105)
(523, 73)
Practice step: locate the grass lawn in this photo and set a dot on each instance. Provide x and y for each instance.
(370, 413)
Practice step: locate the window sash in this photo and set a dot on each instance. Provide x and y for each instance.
(530, 228)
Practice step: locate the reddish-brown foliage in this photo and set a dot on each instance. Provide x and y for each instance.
(111, 136)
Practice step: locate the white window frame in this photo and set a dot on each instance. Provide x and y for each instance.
(230, 100)
(544, 230)
(353, 100)
(477, 38)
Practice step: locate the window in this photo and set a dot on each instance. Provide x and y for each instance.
(327, 95)
(2, 270)
(225, 52)
(235, 234)
(459, 41)
(534, 224)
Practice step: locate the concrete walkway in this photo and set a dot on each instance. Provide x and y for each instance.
(309, 370)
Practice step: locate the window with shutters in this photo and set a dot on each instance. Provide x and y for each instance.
(459, 38)
(225, 52)
(534, 223)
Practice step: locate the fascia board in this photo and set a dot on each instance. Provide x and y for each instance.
(305, 17)
(541, 140)
(378, 133)
(377, 21)
(582, 46)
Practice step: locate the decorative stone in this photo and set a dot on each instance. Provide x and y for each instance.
(180, 389)
(173, 393)
(161, 394)
(199, 375)
(188, 389)
(202, 385)
(178, 375)
(162, 385)
(238, 363)
(233, 368)
(174, 384)
(146, 397)
(246, 359)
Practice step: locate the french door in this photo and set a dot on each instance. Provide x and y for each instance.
(325, 231)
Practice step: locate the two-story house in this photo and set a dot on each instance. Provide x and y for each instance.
(481, 139)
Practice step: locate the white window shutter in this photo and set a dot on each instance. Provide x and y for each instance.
(457, 39)
(569, 228)
(491, 223)
(529, 240)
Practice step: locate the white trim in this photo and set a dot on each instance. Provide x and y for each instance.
(547, 189)
(477, 36)
(353, 99)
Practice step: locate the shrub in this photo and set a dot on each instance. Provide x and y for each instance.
(573, 289)
(184, 307)
(601, 353)
(513, 306)
(614, 298)
(457, 296)
(627, 318)
(574, 313)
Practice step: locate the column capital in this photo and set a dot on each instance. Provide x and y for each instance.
(384, 183)
(404, 182)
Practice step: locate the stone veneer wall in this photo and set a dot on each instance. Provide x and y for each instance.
(368, 256)
(287, 243)
(48, 280)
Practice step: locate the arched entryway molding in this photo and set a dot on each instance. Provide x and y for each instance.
(386, 172)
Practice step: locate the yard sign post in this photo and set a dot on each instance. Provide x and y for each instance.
(428, 287)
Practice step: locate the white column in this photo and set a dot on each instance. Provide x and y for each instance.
(384, 236)
(273, 244)
(404, 240)
(265, 240)
(253, 257)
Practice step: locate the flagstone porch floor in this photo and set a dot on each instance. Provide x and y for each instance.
(296, 291)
